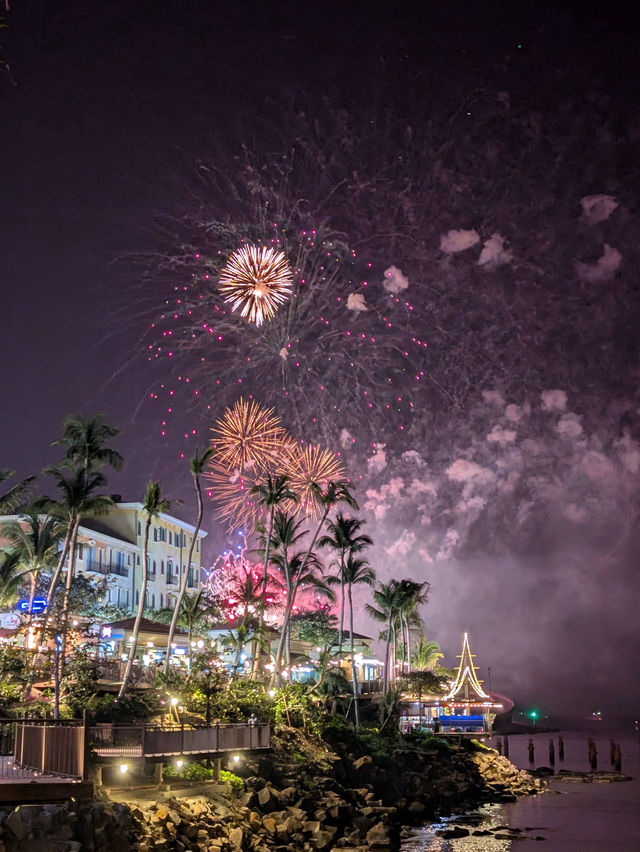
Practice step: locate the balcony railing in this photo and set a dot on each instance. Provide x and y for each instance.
(106, 568)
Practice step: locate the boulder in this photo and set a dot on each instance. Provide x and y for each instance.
(236, 837)
(378, 836)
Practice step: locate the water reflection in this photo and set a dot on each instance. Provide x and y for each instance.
(487, 832)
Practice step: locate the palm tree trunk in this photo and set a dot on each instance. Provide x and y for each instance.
(183, 582)
(275, 675)
(341, 629)
(354, 675)
(53, 585)
(313, 543)
(71, 570)
(387, 651)
(136, 625)
(257, 651)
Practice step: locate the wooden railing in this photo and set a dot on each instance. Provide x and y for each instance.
(156, 741)
(50, 747)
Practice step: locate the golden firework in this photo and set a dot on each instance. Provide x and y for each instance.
(310, 466)
(236, 506)
(256, 280)
(248, 435)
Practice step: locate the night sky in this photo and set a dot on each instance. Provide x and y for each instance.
(515, 490)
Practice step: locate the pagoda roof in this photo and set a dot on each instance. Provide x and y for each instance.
(466, 686)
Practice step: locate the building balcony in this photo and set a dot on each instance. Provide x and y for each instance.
(106, 568)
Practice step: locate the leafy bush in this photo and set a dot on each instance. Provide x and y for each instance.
(188, 772)
(236, 783)
(239, 701)
(130, 708)
(425, 740)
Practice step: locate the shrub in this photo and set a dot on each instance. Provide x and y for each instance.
(236, 783)
(130, 708)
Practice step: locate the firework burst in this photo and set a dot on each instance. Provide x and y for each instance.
(256, 281)
(248, 436)
(310, 466)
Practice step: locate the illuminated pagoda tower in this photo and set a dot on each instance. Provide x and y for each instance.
(467, 707)
(466, 687)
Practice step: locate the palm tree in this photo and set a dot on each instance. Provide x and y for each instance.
(270, 494)
(343, 538)
(36, 540)
(77, 500)
(250, 631)
(16, 495)
(356, 572)
(297, 570)
(154, 504)
(11, 577)
(77, 477)
(387, 598)
(197, 465)
(335, 492)
(412, 595)
(425, 655)
(85, 442)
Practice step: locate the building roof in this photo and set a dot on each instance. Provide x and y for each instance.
(102, 529)
(146, 626)
(168, 519)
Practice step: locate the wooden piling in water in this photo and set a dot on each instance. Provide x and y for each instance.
(506, 746)
(552, 753)
(499, 746)
(612, 752)
(592, 754)
(617, 758)
(560, 748)
(531, 749)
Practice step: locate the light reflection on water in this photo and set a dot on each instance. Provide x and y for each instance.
(484, 819)
(574, 817)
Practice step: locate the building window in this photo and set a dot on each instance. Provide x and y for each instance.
(153, 601)
(138, 559)
(198, 546)
(139, 528)
(161, 601)
(127, 598)
(154, 568)
(170, 537)
(137, 597)
(162, 566)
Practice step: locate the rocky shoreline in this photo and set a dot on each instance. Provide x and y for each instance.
(303, 795)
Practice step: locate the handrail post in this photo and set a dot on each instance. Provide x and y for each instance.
(43, 752)
(84, 769)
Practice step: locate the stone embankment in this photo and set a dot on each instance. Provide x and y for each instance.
(303, 796)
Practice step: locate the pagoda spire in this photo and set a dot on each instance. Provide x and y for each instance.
(466, 685)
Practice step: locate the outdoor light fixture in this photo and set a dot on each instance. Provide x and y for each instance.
(236, 758)
(75, 622)
(174, 702)
(179, 763)
(272, 692)
(124, 768)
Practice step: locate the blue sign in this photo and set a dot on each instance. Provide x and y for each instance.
(39, 605)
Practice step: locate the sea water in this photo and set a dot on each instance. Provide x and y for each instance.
(572, 817)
